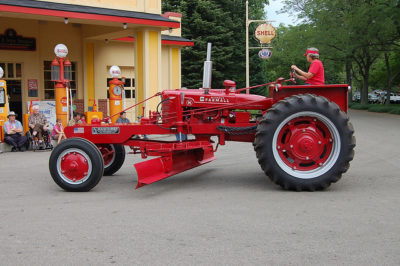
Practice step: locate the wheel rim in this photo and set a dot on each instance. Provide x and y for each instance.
(108, 153)
(74, 166)
(306, 145)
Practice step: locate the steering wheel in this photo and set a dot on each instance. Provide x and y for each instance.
(293, 76)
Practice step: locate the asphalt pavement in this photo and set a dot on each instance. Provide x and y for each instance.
(226, 212)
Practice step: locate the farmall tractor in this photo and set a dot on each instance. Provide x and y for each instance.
(301, 135)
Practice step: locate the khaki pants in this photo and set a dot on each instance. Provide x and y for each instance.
(39, 129)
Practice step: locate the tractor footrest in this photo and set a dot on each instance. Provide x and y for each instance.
(175, 158)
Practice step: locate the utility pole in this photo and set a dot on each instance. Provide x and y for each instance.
(248, 22)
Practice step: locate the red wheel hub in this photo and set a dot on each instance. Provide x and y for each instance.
(304, 143)
(74, 166)
(107, 152)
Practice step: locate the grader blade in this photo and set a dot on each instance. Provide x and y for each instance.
(175, 162)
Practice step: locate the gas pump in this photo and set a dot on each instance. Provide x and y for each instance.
(61, 74)
(115, 91)
(90, 115)
(3, 103)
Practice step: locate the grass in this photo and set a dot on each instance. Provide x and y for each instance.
(378, 108)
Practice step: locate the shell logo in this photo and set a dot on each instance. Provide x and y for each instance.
(265, 33)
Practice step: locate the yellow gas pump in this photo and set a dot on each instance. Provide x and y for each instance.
(115, 91)
(3, 103)
(93, 114)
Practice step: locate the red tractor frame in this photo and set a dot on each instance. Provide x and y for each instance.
(301, 135)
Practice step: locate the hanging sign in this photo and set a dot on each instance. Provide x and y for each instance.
(265, 33)
(11, 41)
(32, 88)
(265, 53)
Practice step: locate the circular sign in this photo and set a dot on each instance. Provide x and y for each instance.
(265, 33)
(1, 72)
(264, 53)
(64, 101)
(117, 90)
(61, 50)
(115, 71)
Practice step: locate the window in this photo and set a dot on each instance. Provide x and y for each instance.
(49, 92)
(12, 70)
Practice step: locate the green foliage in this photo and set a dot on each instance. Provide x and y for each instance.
(395, 111)
(352, 36)
(353, 33)
(378, 108)
(359, 106)
(223, 24)
(379, 74)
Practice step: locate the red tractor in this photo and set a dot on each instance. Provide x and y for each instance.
(301, 135)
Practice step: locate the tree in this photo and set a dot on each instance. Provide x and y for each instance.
(223, 24)
(387, 72)
(356, 30)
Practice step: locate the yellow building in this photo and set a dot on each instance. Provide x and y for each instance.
(132, 34)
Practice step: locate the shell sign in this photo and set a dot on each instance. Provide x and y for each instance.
(265, 33)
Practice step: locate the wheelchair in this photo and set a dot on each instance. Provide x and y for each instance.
(34, 144)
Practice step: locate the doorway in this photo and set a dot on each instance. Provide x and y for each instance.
(13, 77)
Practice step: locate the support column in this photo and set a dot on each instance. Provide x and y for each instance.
(175, 68)
(148, 68)
(90, 73)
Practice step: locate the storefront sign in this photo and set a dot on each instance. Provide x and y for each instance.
(265, 33)
(11, 41)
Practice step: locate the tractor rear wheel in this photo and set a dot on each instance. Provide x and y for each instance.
(113, 156)
(76, 165)
(304, 142)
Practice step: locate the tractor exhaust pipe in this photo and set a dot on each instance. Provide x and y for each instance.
(207, 74)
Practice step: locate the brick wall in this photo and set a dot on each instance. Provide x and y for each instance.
(102, 107)
(80, 106)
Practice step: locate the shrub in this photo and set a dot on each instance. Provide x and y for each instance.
(395, 111)
(359, 106)
(380, 108)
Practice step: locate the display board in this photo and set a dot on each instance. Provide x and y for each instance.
(48, 108)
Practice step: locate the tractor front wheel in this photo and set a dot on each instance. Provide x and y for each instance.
(76, 164)
(304, 142)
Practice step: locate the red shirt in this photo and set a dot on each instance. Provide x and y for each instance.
(317, 69)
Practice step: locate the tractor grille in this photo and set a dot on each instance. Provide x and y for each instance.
(168, 111)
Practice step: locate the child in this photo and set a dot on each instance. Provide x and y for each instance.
(58, 131)
(83, 119)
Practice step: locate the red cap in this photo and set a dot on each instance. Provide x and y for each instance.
(310, 52)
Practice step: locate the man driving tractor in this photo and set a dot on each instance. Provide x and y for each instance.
(315, 74)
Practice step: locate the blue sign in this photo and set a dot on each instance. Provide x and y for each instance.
(264, 53)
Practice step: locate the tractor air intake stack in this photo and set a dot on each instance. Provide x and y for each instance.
(207, 74)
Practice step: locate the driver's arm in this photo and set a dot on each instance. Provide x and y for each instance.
(301, 77)
(305, 75)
